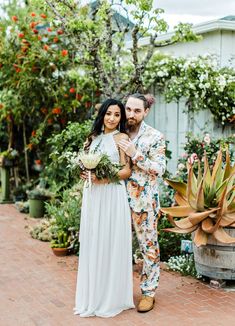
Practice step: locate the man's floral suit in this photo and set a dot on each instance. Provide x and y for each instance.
(148, 164)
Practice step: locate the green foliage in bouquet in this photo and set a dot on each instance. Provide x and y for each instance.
(107, 169)
(95, 162)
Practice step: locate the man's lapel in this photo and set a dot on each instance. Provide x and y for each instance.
(142, 129)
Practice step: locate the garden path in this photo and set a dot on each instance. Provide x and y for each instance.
(38, 288)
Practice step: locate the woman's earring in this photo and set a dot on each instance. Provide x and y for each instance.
(102, 128)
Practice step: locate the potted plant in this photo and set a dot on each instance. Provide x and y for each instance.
(65, 211)
(206, 207)
(37, 198)
(60, 243)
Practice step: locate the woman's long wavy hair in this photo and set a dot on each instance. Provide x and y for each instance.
(99, 121)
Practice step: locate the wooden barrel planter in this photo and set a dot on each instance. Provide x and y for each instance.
(216, 260)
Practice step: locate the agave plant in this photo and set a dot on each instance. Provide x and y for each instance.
(206, 203)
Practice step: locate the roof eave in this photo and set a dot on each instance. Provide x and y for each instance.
(197, 29)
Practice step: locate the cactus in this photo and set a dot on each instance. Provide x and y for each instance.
(206, 204)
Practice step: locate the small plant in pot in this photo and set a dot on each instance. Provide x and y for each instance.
(37, 198)
(60, 243)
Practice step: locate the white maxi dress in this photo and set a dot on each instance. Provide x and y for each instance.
(104, 282)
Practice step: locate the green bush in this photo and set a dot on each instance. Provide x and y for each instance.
(71, 139)
(66, 213)
(195, 147)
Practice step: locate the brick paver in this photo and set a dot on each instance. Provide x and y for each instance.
(38, 288)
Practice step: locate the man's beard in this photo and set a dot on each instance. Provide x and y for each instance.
(132, 123)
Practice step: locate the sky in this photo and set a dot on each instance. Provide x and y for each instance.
(192, 11)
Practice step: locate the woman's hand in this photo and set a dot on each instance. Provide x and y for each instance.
(94, 179)
(97, 181)
(85, 176)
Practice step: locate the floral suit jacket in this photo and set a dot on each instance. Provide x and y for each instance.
(149, 163)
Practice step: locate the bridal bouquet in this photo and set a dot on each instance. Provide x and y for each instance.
(95, 162)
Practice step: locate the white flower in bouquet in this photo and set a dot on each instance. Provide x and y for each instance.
(90, 160)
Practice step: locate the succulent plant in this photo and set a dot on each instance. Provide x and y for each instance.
(39, 193)
(206, 203)
(61, 240)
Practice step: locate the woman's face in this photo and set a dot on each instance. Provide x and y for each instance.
(112, 118)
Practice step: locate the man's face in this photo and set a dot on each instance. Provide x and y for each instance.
(135, 111)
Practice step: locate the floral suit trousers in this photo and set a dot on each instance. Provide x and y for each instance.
(145, 225)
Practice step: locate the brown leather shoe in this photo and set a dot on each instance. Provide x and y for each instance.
(146, 304)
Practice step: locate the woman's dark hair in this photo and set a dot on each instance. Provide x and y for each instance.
(148, 99)
(99, 121)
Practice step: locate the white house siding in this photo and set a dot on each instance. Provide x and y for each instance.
(220, 43)
(209, 44)
(228, 48)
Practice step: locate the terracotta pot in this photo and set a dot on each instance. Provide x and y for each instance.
(60, 251)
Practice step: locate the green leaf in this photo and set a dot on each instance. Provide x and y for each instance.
(200, 197)
(190, 193)
(180, 187)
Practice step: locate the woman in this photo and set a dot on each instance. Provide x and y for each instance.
(104, 284)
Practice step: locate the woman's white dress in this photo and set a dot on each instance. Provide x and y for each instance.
(104, 283)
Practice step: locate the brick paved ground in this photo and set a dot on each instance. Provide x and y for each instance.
(38, 288)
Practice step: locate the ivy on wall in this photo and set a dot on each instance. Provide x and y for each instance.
(200, 80)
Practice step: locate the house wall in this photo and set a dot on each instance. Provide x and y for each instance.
(220, 43)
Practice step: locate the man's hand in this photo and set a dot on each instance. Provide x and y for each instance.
(128, 147)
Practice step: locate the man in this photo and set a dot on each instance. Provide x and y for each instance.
(147, 151)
